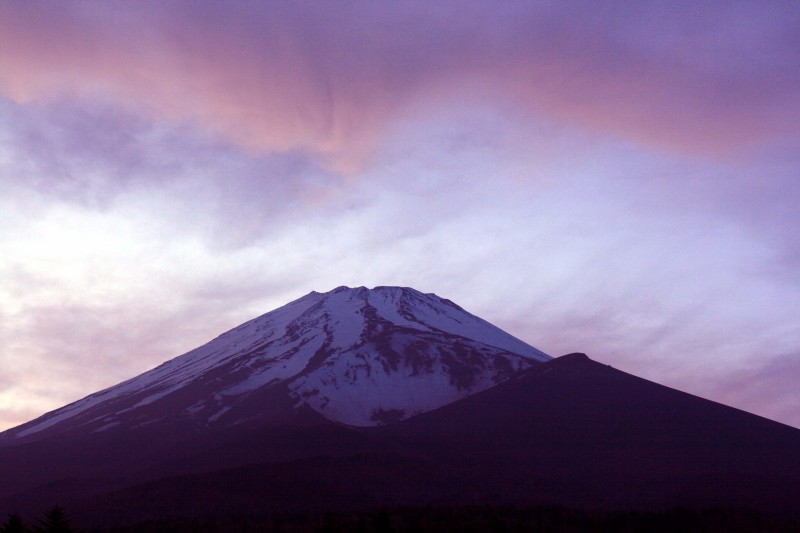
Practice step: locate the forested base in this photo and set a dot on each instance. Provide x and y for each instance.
(483, 519)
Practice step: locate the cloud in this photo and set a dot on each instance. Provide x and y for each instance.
(768, 385)
(96, 156)
(81, 153)
(328, 79)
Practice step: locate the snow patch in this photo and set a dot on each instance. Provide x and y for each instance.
(105, 427)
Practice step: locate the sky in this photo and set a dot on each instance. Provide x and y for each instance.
(615, 178)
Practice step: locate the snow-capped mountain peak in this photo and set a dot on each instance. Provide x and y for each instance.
(357, 356)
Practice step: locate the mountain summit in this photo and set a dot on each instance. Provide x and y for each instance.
(357, 356)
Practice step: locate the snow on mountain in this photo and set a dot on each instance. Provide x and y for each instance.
(357, 356)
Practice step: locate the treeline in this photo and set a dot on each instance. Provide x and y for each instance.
(480, 519)
(54, 521)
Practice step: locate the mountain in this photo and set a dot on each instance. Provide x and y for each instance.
(357, 356)
(570, 432)
(585, 434)
(360, 399)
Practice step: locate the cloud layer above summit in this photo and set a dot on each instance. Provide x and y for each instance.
(591, 176)
(330, 79)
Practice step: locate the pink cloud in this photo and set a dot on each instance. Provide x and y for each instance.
(768, 386)
(329, 78)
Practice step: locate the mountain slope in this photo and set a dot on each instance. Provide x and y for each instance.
(577, 432)
(569, 432)
(357, 356)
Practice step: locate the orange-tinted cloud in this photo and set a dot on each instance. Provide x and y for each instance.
(330, 78)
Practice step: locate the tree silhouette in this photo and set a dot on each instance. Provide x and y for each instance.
(55, 521)
(13, 524)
